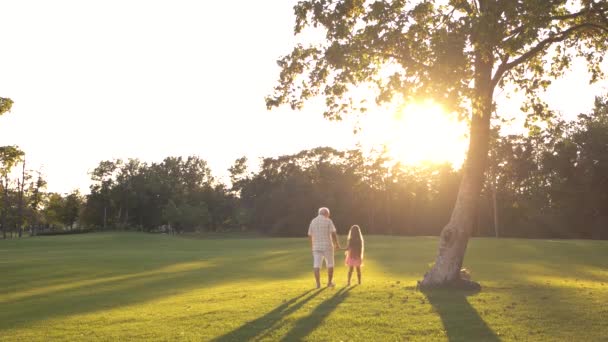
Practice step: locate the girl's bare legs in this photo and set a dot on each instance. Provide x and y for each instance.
(358, 274)
(350, 273)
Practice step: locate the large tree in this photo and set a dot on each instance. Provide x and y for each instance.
(104, 175)
(456, 52)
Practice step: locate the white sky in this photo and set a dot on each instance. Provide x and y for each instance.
(95, 80)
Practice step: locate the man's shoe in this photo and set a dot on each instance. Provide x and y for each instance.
(331, 285)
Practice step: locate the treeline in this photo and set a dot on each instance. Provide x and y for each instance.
(180, 194)
(284, 195)
(25, 204)
(552, 182)
(176, 194)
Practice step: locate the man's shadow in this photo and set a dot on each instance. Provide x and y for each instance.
(460, 320)
(304, 326)
(252, 329)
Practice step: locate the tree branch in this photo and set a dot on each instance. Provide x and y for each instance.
(561, 36)
(521, 28)
(599, 27)
(603, 17)
(570, 15)
(514, 33)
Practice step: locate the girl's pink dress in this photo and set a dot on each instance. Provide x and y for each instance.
(352, 262)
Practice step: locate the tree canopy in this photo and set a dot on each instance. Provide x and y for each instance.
(412, 50)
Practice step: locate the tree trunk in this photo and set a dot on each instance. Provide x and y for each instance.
(495, 209)
(5, 206)
(127, 213)
(105, 214)
(387, 209)
(21, 189)
(455, 235)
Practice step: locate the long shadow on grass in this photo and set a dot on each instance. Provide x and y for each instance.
(460, 320)
(304, 326)
(256, 327)
(127, 289)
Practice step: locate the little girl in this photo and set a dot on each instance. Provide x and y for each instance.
(354, 252)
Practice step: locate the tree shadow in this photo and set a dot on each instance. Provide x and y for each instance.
(89, 292)
(304, 326)
(460, 320)
(254, 328)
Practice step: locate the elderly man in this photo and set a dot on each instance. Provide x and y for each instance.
(323, 240)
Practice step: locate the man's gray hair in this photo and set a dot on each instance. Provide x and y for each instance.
(324, 211)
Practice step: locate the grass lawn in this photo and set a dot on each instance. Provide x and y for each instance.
(132, 286)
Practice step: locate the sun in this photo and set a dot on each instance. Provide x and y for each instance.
(420, 132)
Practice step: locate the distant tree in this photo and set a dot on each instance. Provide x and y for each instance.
(9, 157)
(63, 210)
(177, 191)
(186, 217)
(575, 169)
(455, 52)
(103, 174)
(123, 191)
(54, 209)
(21, 200)
(171, 214)
(36, 198)
(238, 175)
(72, 204)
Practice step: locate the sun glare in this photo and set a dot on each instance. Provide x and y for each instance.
(420, 132)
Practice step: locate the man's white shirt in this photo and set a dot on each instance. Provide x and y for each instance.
(320, 230)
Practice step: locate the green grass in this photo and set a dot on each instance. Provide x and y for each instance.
(130, 286)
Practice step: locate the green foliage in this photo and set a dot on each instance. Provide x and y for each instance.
(286, 192)
(9, 157)
(71, 209)
(180, 192)
(455, 52)
(54, 208)
(63, 210)
(555, 182)
(144, 287)
(238, 174)
(36, 192)
(194, 217)
(11, 213)
(5, 105)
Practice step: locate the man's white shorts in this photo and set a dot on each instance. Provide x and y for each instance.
(318, 257)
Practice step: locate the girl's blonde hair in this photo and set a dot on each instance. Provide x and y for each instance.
(356, 244)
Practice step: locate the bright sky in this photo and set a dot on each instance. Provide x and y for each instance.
(95, 80)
